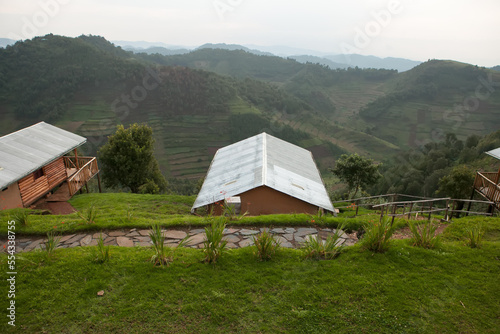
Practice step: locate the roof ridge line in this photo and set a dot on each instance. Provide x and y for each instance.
(264, 159)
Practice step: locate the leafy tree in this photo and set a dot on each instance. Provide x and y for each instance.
(458, 183)
(356, 171)
(127, 160)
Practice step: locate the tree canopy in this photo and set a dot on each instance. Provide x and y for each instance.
(127, 160)
(356, 171)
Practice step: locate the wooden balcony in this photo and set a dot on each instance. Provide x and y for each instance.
(487, 185)
(80, 170)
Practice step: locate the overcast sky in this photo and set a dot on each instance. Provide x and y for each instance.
(463, 30)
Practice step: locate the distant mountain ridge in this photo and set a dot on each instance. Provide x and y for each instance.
(6, 41)
(302, 56)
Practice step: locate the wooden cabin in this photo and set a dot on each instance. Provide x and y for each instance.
(487, 184)
(265, 175)
(34, 161)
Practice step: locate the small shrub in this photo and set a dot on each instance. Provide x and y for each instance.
(475, 236)
(376, 237)
(51, 243)
(89, 215)
(266, 245)
(101, 252)
(315, 248)
(21, 216)
(424, 235)
(214, 245)
(163, 255)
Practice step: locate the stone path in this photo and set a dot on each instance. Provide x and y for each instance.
(290, 237)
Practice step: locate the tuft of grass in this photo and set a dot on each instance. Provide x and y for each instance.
(377, 235)
(159, 257)
(214, 244)
(266, 245)
(163, 254)
(315, 248)
(21, 216)
(424, 235)
(475, 236)
(101, 252)
(89, 214)
(51, 244)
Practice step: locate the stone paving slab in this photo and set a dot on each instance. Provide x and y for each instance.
(231, 238)
(196, 239)
(124, 242)
(76, 238)
(110, 241)
(173, 234)
(86, 240)
(230, 230)
(196, 231)
(96, 236)
(33, 245)
(66, 237)
(116, 234)
(247, 232)
(246, 242)
(142, 239)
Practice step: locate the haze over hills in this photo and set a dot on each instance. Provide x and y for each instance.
(301, 55)
(202, 100)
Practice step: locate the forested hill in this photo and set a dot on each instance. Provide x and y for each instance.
(404, 109)
(202, 100)
(88, 86)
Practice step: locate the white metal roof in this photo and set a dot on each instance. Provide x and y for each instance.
(494, 153)
(24, 151)
(263, 160)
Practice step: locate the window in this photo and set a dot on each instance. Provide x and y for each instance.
(38, 174)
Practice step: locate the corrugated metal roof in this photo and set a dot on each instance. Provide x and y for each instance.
(24, 151)
(263, 160)
(494, 153)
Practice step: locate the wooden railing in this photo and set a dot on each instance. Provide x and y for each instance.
(487, 185)
(72, 162)
(447, 206)
(87, 169)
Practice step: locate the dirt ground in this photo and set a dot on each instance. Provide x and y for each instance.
(405, 232)
(55, 208)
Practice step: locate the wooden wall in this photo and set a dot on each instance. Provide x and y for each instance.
(10, 198)
(265, 200)
(32, 189)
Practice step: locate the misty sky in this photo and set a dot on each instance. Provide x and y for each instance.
(462, 30)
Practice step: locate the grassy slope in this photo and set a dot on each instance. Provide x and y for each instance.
(406, 290)
(121, 210)
(447, 112)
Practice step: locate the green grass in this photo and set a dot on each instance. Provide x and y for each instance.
(405, 290)
(123, 210)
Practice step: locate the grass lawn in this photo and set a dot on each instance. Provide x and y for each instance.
(450, 289)
(122, 210)
(406, 290)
